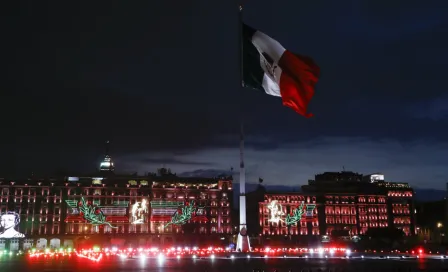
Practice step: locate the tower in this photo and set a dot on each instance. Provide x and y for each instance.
(107, 165)
(242, 243)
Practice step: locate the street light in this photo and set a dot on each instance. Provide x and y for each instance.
(439, 225)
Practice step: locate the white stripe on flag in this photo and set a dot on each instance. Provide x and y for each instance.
(270, 87)
(272, 72)
(266, 44)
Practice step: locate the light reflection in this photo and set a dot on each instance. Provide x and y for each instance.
(161, 258)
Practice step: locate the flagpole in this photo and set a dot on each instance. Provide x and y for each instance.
(243, 243)
(240, 43)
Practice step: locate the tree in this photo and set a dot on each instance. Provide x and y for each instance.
(385, 236)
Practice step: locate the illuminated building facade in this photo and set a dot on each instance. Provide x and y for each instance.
(372, 212)
(212, 197)
(118, 198)
(345, 201)
(355, 213)
(275, 210)
(133, 207)
(401, 206)
(340, 213)
(379, 204)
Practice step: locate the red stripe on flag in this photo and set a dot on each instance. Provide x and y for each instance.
(299, 76)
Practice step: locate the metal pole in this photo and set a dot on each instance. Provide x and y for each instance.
(240, 43)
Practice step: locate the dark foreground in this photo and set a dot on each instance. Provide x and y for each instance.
(222, 265)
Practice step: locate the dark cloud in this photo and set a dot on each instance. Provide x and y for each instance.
(167, 161)
(431, 110)
(421, 163)
(206, 173)
(162, 85)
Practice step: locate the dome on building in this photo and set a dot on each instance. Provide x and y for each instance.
(107, 165)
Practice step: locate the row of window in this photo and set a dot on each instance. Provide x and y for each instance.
(399, 194)
(340, 210)
(363, 210)
(372, 200)
(372, 217)
(107, 211)
(346, 199)
(290, 199)
(301, 223)
(401, 211)
(374, 225)
(341, 220)
(402, 220)
(91, 191)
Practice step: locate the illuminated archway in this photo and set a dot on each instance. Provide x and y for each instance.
(55, 243)
(41, 243)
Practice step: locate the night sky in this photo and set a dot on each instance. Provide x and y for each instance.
(159, 79)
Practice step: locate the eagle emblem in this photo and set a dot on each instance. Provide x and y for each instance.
(269, 65)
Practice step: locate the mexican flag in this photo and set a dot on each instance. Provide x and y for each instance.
(269, 67)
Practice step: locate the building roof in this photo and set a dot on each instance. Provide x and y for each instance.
(111, 179)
